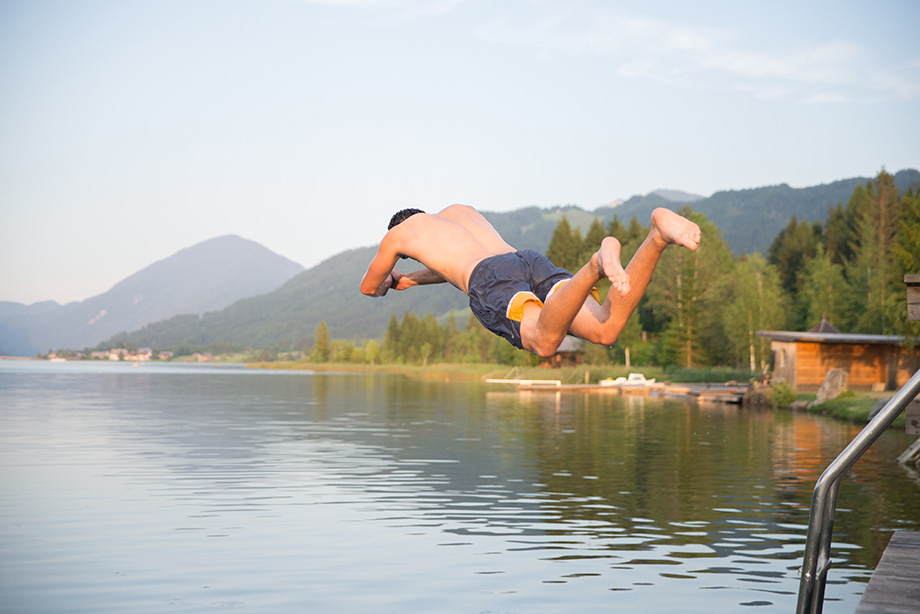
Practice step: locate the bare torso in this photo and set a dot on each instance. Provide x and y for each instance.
(451, 242)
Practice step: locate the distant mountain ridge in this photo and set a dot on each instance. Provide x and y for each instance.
(750, 219)
(206, 277)
(678, 196)
(286, 317)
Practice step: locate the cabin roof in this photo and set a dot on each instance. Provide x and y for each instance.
(824, 327)
(827, 337)
(570, 345)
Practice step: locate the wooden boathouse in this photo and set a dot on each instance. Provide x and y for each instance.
(872, 362)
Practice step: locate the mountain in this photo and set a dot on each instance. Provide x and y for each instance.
(287, 317)
(205, 277)
(677, 196)
(750, 219)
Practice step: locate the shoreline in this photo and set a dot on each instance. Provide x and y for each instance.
(852, 406)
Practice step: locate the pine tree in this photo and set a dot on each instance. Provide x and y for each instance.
(791, 248)
(872, 272)
(907, 244)
(431, 334)
(615, 228)
(410, 338)
(390, 350)
(907, 257)
(838, 235)
(592, 242)
(565, 245)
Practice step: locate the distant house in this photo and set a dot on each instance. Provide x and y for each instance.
(569, 353)
(802, 360)
(118, 354)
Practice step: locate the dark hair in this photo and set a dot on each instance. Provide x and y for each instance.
(401, 216)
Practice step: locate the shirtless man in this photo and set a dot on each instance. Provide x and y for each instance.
(522, 296)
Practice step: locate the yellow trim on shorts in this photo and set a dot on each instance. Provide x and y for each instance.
(515, 311)
(594, 291)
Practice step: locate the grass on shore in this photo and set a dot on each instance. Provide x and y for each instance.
(853, 407)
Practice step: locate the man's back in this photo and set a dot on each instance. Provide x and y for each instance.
(451, 242)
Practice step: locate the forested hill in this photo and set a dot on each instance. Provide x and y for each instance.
(751, 219)
(288, 317)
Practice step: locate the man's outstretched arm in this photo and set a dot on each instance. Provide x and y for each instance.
(380, 276)
(416, 278)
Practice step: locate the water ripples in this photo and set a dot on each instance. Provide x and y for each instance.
(351, 493)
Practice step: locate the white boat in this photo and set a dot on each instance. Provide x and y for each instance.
(634, 379)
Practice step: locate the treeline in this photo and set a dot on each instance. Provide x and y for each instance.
(704, 307)
(414, 340)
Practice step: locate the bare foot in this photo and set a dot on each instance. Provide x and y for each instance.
(673, 228)
(608, 265)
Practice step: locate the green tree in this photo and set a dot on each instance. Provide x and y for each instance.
(824, 290)
(390, 350)
(424, 352)
(450, 338)
(615, 228)
(591, 243)
(838, 234)
(409, 338)
(629, 338)
(430, 332)
(371, 352)
(682, 289)
(907, 257)
(907, 243)
(565, 245)
(321, 343)
(791, 248)
(635, 234)
(872, 272)
(754, 301)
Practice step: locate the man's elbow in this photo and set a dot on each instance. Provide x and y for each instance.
(367, 290)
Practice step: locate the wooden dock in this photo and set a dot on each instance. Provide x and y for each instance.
(711, 393)
(895, 584)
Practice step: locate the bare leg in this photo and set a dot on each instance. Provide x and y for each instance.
(544, 328)
(603, 324)
(568, 310)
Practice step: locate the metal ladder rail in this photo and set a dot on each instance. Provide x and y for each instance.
(824, 501)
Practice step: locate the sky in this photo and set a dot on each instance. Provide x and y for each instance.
(131, 130)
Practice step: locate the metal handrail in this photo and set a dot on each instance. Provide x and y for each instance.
(823, 504)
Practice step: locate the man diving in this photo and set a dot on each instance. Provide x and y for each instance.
(521, 295)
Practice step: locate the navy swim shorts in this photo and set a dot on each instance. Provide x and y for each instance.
(501, 285)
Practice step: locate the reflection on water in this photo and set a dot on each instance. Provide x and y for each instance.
(185, 489)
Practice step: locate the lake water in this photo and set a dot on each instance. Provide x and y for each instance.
(165, 488)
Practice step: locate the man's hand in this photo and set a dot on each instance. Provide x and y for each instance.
(404, 281)
(394, 280)
(397, 280)
(385, 285)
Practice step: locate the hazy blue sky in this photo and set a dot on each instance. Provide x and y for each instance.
(130, 130)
